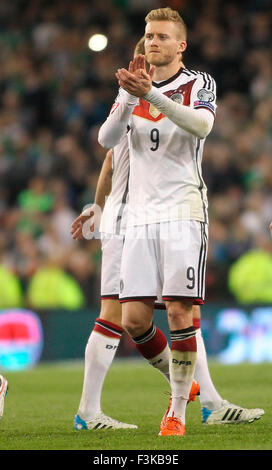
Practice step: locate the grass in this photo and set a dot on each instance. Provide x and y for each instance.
(41, 404)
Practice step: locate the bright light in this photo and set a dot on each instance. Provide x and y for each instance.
(98, 42)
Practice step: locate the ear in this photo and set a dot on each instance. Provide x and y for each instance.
(183, 46)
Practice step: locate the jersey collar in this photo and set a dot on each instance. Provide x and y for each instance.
(169, 80)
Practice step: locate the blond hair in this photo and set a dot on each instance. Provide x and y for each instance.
(139, 48)
(167, 14)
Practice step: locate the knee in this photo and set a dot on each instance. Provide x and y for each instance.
(174, 314)
(179, 313)
(111, 311)
(136, 318)
(134, 327)
(196, 312)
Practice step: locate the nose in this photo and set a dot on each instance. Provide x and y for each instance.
(154, 41)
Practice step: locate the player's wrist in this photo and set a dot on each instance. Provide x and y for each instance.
(129, 99)
(152, 93)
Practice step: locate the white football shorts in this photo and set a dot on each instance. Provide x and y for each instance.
(112, 247)
(167, 258)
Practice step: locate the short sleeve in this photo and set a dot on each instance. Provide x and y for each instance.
(203, 95)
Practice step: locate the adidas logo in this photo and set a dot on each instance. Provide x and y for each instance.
(102, 426)
(234, 416)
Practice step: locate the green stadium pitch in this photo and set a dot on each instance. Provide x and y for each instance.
(42, 402)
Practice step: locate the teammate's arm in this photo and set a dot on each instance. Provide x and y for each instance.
(103, 189)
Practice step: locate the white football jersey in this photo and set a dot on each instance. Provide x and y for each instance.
(165, 161)
(113, 220)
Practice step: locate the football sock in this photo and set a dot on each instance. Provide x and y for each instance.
(99, 353)
(182, 367)
(209, 397)
(153, 346)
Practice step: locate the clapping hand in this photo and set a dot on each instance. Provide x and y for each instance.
(136, 80)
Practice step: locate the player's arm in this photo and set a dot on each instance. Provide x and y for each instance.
(103, 189)
(198, 122)
(115, 126)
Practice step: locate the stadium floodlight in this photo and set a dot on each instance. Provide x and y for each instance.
(98, 42)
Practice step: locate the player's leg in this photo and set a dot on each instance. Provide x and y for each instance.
(183, 257)
(214, 409)
(3, 393)
(149, 340)
(99, 353)
(103, 342)
(139, 280)
(182, 364)
(139, 276)
(209, 397)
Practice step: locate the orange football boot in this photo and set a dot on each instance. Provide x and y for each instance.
(172, 427)
(195, 390)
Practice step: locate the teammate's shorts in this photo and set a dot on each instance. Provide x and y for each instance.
(112, 247)
(167, 258)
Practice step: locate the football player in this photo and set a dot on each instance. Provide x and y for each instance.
(169, 120)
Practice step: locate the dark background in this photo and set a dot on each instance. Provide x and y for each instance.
(54, 95)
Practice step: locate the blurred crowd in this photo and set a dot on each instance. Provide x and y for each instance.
(55, 93)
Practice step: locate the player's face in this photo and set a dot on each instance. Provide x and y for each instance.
(163, 44)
